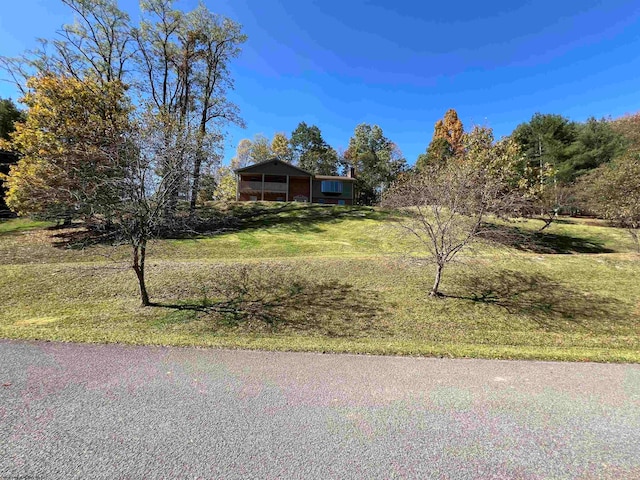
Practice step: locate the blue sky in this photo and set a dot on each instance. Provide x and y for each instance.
(402, 64)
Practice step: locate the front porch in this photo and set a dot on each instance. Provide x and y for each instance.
(274, 188)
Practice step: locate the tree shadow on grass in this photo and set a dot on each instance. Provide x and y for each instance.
(78, 237)
(541, 242)
(259, 299)
(210, 221)
(549, 303)
(295, 217)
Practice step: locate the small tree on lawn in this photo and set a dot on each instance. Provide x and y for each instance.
(143, 196)
(613, 192)
(84, 154)
(444, 206)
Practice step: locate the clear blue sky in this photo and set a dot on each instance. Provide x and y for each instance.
(402, 64)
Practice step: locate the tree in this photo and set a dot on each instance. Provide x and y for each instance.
(185, 62)
(545, 142)
(596, 142)
(9, 116)
(444, 206)
(447, 141)
(174, 63)
(165, 55)
(138, 198)
(226, 185)
(208, 187)
(438, 152)
(505, 160)
(260, 149)
(218, 42)
(451, 130)
(311, 152)
(251, 151)
(85, 152)
(281, 148)
(377, 162)
(66, 145)
(243, 154)
(613, 192)
(176, 69)
(98, 44)
(629, 127)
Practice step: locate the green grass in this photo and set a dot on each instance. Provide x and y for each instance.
(20, 224)
(329, 279)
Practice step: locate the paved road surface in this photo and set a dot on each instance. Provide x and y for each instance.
(97, 411)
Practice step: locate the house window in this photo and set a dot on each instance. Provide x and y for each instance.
(331, 186)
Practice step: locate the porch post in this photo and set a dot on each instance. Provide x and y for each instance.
(287, 195)
(262, 198)
(238, 180)
(311, 189)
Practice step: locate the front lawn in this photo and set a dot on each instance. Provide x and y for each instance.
(290, 277)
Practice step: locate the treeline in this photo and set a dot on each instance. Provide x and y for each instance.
(551, 150)
(558, 164)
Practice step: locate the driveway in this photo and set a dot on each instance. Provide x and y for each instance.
(112, 411)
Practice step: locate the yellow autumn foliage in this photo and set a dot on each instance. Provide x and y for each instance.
(67, 144)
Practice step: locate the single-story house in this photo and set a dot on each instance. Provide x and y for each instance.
(277, 181)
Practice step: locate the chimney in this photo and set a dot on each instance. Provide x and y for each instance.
(351, 173)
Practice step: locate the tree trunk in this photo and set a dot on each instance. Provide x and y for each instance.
(635, 235)
(139, 256)
(547, 222)
(195, 187)
(197, 164)
(436, 284)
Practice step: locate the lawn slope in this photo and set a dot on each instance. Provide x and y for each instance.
(291, 277)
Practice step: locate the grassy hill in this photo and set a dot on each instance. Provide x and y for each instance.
(295, 277)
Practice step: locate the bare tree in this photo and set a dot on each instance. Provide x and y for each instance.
(218, 42)
(98, 45)
(135, 200)
(444, 208)
(185, 63)
(613, 192)
(549, 203)
(98, 42)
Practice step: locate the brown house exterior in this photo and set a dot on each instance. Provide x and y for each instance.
(278, 181)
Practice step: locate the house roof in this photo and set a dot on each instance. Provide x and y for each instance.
(272, 161)
(276, 162)
(334, 177)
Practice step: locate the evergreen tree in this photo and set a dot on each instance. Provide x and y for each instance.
(311, 152)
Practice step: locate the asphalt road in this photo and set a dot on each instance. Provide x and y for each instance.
(110, 411)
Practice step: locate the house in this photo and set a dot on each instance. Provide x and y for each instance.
(278, 181)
